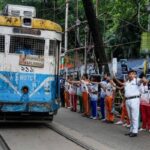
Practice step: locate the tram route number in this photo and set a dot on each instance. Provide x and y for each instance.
(26, 69)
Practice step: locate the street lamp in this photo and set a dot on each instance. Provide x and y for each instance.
(86, 30)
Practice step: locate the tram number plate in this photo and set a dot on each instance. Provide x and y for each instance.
(26, 69)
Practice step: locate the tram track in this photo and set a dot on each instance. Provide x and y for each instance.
(70, 137)
(3, 144)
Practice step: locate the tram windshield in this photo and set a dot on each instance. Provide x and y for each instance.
(2, 43)
(27, 45)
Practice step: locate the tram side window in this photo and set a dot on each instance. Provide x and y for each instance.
(2, 44)
(52, 48)
(27, 46)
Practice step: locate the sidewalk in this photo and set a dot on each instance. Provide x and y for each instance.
(110, 135)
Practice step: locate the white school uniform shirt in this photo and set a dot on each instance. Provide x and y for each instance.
(84, 86)
(144, 93)
(72, 89)
(93, 88)
(79, 92)
(67, 86)
(109, 89)
(132, 87)
(103, 93)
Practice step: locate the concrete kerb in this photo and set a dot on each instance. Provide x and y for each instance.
(76, 137)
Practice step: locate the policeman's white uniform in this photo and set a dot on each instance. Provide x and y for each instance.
(132, 94)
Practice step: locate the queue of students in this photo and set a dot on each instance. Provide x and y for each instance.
(87, 94)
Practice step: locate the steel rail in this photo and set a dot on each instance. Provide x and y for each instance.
(69, 137)
(3, 144)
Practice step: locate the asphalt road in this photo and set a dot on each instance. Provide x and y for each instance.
(109, 135)
(34, 137)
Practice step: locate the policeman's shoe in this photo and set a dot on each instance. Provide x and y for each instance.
(133, 135)
(128, 134)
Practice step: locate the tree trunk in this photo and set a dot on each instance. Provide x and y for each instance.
(97, 37)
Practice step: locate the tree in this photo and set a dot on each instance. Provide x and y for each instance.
(97, 37)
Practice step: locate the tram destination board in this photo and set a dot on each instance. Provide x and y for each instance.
(33, 61)
(27, 31)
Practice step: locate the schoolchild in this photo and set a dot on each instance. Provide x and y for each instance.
(85, 95)
(102, 97)
(93, 93)
(144, 106)
(66, 92)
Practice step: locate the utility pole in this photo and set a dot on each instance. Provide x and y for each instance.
(66, 32)
(77, 36)
(54, 9)
(78, 22)
(66, 26)
(86, 30)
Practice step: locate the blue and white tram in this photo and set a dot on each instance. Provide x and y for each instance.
(29, 65)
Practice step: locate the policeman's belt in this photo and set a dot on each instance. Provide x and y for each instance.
(132, 97)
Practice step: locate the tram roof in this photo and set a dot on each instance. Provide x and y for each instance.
(36, 23)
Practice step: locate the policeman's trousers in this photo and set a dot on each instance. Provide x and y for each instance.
(133, 106)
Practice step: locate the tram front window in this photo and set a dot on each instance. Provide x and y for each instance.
(27, 46)
(2, 43)
(26, 50)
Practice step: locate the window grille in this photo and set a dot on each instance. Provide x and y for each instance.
(2, 43)
(52, 48)
(28, 46)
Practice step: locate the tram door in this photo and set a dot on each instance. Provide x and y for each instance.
(55, 51)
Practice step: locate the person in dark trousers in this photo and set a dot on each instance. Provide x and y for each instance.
(62, 89)
(102, 98)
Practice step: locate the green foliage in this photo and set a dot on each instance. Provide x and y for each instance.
(122, 24)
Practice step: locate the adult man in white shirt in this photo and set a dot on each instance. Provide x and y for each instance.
(132, 96)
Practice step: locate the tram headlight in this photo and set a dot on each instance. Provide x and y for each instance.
(26, 22)
(25, 90)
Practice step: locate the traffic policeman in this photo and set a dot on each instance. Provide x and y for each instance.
(132, 96)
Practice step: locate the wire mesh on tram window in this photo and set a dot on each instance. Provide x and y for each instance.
(52, 47)
(25, 45)
(2, 43)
